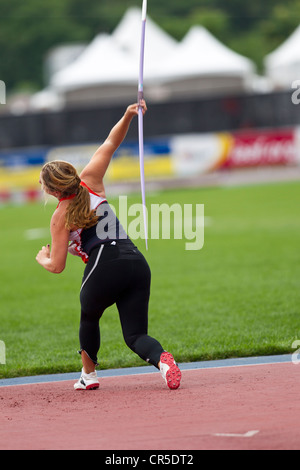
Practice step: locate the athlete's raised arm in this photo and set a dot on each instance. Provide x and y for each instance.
(95, 170)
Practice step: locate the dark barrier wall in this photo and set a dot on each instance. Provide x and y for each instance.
(74, 126)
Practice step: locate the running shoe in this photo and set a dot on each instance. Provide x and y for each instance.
(170, 370)
(87, 381)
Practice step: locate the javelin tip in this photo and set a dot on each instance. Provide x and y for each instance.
(144, 10)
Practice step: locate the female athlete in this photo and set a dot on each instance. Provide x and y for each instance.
(116, 272)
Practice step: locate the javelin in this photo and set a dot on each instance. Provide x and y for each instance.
(140, 125)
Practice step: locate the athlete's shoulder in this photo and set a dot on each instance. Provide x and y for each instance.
(59, 215)
(100, 194)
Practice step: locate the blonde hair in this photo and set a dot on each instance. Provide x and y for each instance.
(62, 177)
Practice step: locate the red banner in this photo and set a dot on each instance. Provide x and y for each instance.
(257, 148)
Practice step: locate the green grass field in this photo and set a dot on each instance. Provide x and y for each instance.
(238, 296)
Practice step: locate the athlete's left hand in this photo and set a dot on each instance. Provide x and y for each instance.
(43, 254)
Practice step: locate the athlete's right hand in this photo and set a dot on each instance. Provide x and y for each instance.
(133, 109)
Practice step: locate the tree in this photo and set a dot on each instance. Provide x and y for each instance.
(29, 28)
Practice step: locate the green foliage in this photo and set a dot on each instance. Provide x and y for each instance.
(30, 28)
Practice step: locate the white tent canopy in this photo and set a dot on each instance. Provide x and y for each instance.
(202, 64)
(114, 59)
(283, 65)
(200, 53)
(101, 62)
(108, 68)
(158, 44)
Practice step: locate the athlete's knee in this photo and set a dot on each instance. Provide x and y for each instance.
(130, 340)
(134, 341)
(148, 348)
(89, 310)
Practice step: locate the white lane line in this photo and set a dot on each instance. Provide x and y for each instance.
(247, 434)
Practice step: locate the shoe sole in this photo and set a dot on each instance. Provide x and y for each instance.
(173, 376)
(88, 387)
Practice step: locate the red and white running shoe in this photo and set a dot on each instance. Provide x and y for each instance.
(87, 381)
(170, 370)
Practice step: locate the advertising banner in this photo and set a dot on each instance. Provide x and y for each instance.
(202, 153)
(262, 148)
(125, 165)
(180, 156)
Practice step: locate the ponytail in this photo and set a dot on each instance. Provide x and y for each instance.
(59, 176)
(78, 212)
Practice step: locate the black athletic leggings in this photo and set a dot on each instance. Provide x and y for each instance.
(117, 273)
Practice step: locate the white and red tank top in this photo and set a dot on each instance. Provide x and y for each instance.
(108, 229)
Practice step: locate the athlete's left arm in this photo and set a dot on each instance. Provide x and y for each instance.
(54, 260)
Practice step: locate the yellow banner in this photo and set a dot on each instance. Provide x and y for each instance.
(22, 179)
(128, 168)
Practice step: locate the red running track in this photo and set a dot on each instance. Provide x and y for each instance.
(245, 407)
